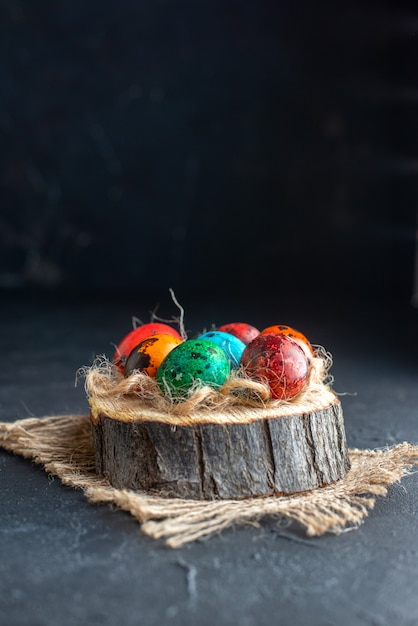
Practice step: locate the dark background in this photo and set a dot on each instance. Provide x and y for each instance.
(224, 148)
(260, 157)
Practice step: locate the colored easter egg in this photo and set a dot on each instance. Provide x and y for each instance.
(149, 354)
(132, 339)
(231, 345)
(280, 362)
(195, 361)
(243, 331)
(282, 329)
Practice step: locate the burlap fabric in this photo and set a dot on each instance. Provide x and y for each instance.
(63, 445)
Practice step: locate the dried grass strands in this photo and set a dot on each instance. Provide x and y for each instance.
(139, 396)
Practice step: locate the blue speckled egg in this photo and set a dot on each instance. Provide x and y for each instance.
(231, 345)
(195, 361)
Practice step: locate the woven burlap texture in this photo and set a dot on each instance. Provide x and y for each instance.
(64, 446)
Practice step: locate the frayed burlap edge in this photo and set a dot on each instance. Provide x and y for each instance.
(63, 445)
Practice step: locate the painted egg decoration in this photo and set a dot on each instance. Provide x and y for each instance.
(279, 361)
(241, 330)
(150, 353)
(133, 338)
(193, 362)
(282, 329)
(231, 345)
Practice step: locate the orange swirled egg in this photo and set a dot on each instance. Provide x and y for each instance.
(150, 353)
(135, 337)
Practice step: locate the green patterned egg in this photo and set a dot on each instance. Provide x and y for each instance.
(193, 362)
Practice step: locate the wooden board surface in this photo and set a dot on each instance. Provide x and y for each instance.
(282, 454)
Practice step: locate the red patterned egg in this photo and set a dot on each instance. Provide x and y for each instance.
(244, 332)
(278, 361)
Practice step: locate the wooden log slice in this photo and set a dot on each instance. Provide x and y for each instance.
(238, 455)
